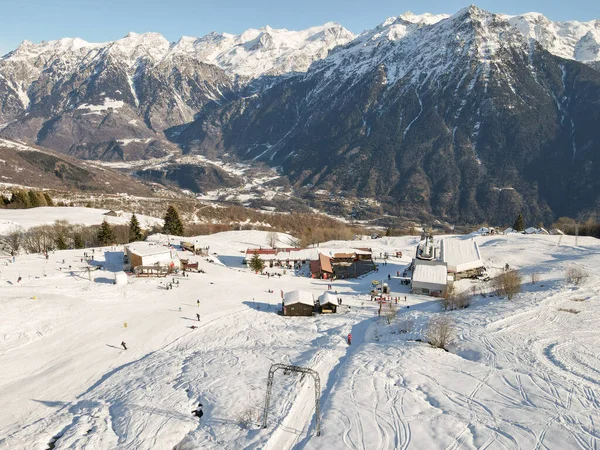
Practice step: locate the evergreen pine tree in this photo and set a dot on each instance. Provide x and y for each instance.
(519, 224)
(48, 199)
(105, 236)
(135, 232)
(20, 199)
(61, 243)
(34, 200)
(256, 264)
(173, 224)
(78, 241)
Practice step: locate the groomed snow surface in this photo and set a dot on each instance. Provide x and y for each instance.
(521, 374)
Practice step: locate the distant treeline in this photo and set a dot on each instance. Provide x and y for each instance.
(21, 199)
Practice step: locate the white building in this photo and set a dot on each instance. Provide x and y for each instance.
(429, 279)
(149, 254)
(462, 257)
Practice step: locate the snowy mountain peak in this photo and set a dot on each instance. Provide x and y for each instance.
(571, 39)
(426, 18)
(55, 48)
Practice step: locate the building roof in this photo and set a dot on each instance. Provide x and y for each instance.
(327, 297)
(147, 249)
(304, 297)
(325, 263)
(461, 255)
(433, 274)
(261, 251)
(343, 255)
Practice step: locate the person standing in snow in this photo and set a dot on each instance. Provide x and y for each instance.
(124, 345)
(198, 303)
(198, 317)
(349, 338)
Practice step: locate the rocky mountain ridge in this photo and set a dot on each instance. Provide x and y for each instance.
(462, 118)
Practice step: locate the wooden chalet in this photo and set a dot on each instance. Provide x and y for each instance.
(321, 268)
(298, 303)
(328, 303)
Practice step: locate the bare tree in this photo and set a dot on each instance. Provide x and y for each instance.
(272, 239)
(455, 300)
(535, 277)
(575, 275)
(391, 314)
(13, 240)
(440, 332)
(508, 283)
(247, 417)
(38, 239)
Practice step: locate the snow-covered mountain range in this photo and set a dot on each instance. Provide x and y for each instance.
(460, 117)
(322, 102)
(83, 98)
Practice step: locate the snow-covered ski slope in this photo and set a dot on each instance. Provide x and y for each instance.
(521, 374)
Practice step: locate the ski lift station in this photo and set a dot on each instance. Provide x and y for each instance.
(462, 258)
(435, 265)
(430, 279)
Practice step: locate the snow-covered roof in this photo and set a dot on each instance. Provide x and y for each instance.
(327, 297)
(531, 230)
(509, 230)
(303, 297)
(147, 249)
(461, 255)
(433, 274)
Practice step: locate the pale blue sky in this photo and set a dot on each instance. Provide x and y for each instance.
(104, 20)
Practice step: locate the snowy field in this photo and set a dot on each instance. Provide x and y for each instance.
(47, 215)
(521, 373)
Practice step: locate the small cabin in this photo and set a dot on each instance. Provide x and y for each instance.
(148, 254)
(298, 303)
(328, 303)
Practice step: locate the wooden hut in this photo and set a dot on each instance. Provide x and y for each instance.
(328, 303)
(298, 303)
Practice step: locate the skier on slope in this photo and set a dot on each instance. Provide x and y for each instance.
(124, 345)
(198, 317)
(349, 338)
(198, 303)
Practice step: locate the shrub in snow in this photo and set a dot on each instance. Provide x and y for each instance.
(508, 283)
(247, 417)
(440, 332)
(535, 277)
(575, 275)
(453, 300)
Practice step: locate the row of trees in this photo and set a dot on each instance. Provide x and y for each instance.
(63, 236)
(26, 199)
